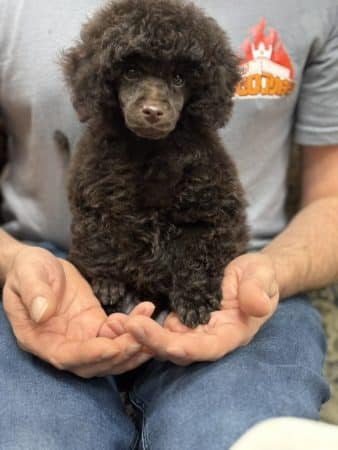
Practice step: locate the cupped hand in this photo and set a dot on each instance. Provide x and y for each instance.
(250, 297)
(55, 316)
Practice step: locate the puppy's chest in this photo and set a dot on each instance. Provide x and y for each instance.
(155, 177)
(158, 184)
(141, 182)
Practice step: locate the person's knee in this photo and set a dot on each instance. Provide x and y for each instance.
(289, 433)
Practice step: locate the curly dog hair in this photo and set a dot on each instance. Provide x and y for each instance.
(158, 210)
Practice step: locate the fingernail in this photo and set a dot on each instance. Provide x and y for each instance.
(39, 306)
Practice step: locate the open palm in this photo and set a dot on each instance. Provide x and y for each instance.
(250, 297)
(68, 337)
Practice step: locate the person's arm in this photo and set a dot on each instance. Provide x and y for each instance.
(9, 247)
(305, 254)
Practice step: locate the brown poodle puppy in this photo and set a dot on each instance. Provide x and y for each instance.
(158, 210)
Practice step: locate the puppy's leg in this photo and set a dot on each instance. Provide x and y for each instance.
(95, 252)
(197, 268)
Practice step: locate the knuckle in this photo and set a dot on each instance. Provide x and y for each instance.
(246, 340)
(216, 358)
(82, 373)
(120, 370)
(21, 341)
(22, 345)
(57, 363)
(6, 297)
(218, 353)
(183, 363)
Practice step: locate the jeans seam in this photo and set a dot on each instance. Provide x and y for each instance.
(140, 405)
(134, 443)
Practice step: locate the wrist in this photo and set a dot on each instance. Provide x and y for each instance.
(291, 267)
(9, 248)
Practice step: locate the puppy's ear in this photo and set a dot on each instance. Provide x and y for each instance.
(92, 66)
(80, 67)
(212, 105)
(226, 77)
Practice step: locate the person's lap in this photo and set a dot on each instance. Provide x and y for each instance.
(205, 405)
(211, 405)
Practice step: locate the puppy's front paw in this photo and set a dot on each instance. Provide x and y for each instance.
(195, 309)
(192, 317)
(113, 295)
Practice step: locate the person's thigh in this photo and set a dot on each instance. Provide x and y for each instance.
(209, 405)
(44, 408)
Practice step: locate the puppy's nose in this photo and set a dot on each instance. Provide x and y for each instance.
(152, 113)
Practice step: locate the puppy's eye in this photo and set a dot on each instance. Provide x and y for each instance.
(178, 80)
(132, 74)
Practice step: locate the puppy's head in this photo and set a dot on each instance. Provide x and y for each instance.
(150, 64)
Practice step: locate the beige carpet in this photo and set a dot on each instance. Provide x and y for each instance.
(326, 301)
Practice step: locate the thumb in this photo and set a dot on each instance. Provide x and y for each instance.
(38, 287)
(258, 293)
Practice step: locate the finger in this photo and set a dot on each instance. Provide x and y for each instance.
(37, 289)
(185, 348)
(253, 300)
(143, 308)
(134, 362)
(209, 346)
(107, 368)
(128, 355)
(13, 306)
(97, 350)
(257, 292)
(114, 325)
(150, 334)
(155, 338)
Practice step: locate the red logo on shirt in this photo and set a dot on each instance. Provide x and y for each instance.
(267, 70)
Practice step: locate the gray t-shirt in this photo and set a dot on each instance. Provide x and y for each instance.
(289, 89)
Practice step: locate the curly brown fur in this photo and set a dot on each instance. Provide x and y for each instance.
(158, 210)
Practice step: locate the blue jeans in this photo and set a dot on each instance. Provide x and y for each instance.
(205, 406)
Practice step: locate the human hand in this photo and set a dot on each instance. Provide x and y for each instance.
(250, 297)
(55, 315)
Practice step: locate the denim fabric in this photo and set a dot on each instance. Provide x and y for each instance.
(205, 406)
